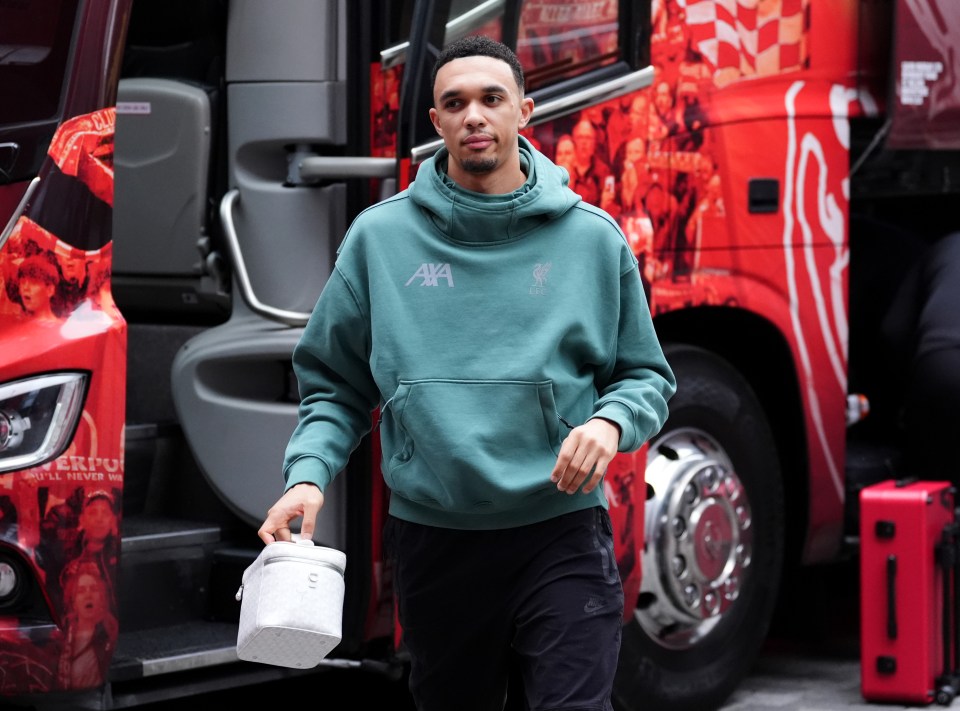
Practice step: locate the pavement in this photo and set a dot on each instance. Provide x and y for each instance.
(811, 661)
(803, 683)
(790, 682)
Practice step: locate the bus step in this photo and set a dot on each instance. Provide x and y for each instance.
(175, 648)
(165, 572)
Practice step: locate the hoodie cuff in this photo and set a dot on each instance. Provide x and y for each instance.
(621, 415)
(308, 470)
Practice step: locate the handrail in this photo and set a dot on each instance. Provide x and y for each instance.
(456, 28)
(290, 318)
(336, 168)
(554, 108)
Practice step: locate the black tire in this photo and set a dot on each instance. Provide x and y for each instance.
(698, 672)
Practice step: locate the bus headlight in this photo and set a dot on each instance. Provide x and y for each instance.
(38, 416)
(10, 583)
(12, 427)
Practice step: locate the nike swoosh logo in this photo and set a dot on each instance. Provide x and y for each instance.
(593, 605)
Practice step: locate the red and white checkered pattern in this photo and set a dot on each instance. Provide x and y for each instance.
(732, 34)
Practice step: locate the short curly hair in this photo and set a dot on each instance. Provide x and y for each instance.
(38, 269)
(479, 46)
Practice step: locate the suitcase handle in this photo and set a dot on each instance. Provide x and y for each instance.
(891, 596)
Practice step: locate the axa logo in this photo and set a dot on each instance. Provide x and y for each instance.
(431, 274)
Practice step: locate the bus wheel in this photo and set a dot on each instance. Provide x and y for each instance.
(713, 544)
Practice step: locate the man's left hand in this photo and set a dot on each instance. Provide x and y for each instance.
(585, 454)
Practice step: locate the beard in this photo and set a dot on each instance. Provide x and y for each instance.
(479, 166)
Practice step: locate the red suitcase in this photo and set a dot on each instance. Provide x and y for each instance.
(907, 596)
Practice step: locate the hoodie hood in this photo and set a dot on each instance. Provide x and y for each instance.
(466, 216)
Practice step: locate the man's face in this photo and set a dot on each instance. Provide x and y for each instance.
(90, 602)
(97, 520)
(586, 140)
(639, 112)
(566, 153)
(73, 270)
(635, 151)
(663, 99)
(35, 294)
(478, 112)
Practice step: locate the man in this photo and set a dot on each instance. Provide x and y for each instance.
(72, 287)
(590, 170)
(500, 324)
(921, 332)
(566, 154)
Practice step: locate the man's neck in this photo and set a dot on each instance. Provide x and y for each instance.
(504, 179)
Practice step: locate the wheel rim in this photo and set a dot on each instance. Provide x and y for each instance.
(699, 539)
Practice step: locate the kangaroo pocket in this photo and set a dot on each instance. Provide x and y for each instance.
(464, 445)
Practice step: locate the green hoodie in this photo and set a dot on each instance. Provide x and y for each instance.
(484, 326)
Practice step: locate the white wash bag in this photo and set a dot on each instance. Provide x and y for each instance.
(291, 605)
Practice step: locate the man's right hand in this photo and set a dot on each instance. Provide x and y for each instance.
(299, 500)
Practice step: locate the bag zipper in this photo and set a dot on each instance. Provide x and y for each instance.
(322, 563)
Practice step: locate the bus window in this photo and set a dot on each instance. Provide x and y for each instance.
(554, 39)
(472, 17)
(34, 45)
(463, 18)
(34, 48)
(558, 40)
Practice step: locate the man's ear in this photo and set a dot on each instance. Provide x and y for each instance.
(435, 118)
(526, 111)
